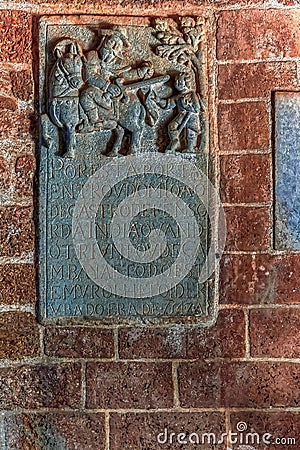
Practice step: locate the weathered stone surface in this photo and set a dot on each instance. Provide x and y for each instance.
(79, 342)
(153, 430)
(5, 88)
(244, 126)
(248, 228)
(239, 384)
(260, 279)
(139, 385)
(245, 178)
(17, 284)
(274, 333)
(278, 426)
(153, 343)
(237, 81)
(55, 431)
(9, 103)
(16, 236)
(118, 6)
(15, 45)
(19, 335)
(40, 386)
(257, 34)
(18, 146)
(5, 173)
(24, 173)
(14, 124)
(225, 339)
(22, 86)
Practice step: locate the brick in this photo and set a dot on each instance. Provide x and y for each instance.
(22, 86)
(225, 339)
(275, 333)
(260, 279)
(8, 103)
(40, 386)
(153, 342)
(55, 431)
(19, 335)
(24, 173)
(138, 385)
(245, 178)
(16, 231)
(248, 228)
(114, 5)
(200, 385)
(256, 34)
(239, 279)
(15, 125)
(277, 424)
(17, 284)
(17, 146)
(244, 126)
(153, 430)
(79, 342)
(284, 277)
(237, 81)
(5, 87)
(7, 99)
(5, 173)
(239, 384)
(15, 44)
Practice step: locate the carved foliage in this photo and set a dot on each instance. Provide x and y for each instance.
(180, 42)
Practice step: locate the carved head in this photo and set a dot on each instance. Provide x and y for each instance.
(183, 82)
(113, 47)
(73, 63)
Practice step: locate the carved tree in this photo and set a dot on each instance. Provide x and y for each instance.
(180, 42)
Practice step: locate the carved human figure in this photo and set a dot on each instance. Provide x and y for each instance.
(107, 100)
(111, 51)
(185, 128)
(65, 82)
(97, 99)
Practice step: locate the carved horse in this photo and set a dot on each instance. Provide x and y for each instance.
(133, 110)
(130, 116)
(65, 82)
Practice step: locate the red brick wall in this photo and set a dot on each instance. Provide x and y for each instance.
(117, 388)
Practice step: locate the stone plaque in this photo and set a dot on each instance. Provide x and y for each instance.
(287, 150)
(127, 214)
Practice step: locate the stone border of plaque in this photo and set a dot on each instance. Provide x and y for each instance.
(131, 230)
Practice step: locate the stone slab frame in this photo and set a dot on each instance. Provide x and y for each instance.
(166, 40)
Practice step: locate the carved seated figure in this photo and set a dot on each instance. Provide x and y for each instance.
(97, 99)
(103, 84)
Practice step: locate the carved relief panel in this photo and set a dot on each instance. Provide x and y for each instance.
(125, 213)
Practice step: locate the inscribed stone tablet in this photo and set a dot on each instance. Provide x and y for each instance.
(126, 212)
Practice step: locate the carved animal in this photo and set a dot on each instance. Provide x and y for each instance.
(131, 114)
(65, 82)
